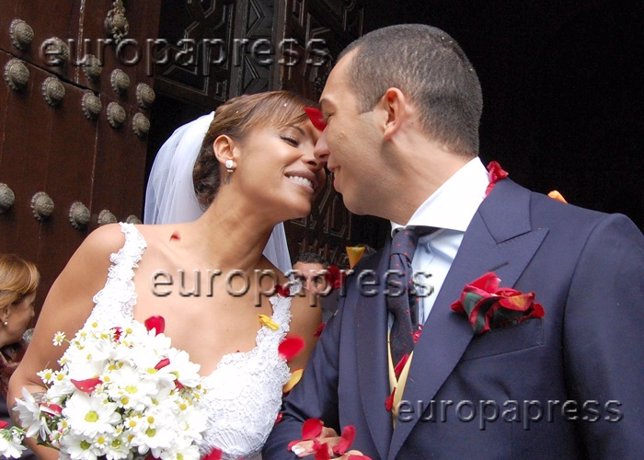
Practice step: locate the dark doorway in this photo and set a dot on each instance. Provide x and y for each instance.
(562, 86)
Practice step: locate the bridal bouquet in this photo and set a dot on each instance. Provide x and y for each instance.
(120, 393)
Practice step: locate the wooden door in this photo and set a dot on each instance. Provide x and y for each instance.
(67, 138)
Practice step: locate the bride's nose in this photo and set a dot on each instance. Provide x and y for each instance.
(311, 159)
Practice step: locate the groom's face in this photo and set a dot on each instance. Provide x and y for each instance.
(350, 143)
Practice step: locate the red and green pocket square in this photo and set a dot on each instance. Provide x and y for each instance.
(488, 306)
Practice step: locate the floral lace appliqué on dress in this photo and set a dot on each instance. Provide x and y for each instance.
(245, 389)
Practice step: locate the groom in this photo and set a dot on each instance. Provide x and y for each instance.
(561, 379)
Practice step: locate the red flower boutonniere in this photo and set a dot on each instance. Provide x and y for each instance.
(495, 173)
(488, 306)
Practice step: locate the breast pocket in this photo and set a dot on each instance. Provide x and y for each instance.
(526, 335)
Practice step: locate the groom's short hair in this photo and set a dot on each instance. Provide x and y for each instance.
(430, 68)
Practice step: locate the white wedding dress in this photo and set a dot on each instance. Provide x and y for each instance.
(245, 389)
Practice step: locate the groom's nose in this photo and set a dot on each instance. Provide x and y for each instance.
(321, 150)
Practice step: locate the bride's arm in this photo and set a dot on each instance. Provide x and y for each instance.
(67, 306)
(305, 322)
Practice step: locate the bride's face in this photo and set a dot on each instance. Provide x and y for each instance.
(278, 170)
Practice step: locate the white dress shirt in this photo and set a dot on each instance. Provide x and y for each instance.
(450, 209)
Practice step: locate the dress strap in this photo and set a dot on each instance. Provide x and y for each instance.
(131, 253)
(117, 299)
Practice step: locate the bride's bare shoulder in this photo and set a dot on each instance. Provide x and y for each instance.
(106, 239)
(101, 243)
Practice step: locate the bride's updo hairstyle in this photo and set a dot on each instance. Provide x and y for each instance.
(236, 118)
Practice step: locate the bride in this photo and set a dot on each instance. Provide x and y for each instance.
(256, 168)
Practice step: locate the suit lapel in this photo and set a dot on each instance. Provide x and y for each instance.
(498, 239)
(371, 347)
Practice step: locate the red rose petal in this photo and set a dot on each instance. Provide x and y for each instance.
(155, 322)
(312, 428)
(214, 454)
(321, 452)
(280, 416)
(316, 117)
(319, 330)
(495, 174)
(417, 333)
(87, 385)
(291, 346)
(348, 435)
(389, 402)
(333, 276)
(3, 424)
(51, 409)
(162, 363)
(282, 291)
(401, 364)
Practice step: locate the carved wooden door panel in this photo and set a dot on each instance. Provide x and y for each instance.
(73, 132)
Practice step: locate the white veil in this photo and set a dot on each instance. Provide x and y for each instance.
(170, 197)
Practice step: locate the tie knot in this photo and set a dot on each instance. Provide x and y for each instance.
(404, 242)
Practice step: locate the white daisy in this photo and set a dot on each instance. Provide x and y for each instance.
(184, 370)
(11, 443)
(30, 415)
(59, 338)
(47, 376)
(90, 416)
(118, 448)
(78, 448)
(128, 389)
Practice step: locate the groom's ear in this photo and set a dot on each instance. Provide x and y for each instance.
(395, 106)
(224, 148)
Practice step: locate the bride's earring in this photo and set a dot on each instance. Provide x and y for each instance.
(230, 167)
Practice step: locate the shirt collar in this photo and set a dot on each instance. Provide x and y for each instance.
(454, 203)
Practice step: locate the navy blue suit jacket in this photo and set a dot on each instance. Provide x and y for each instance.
(566, 386)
